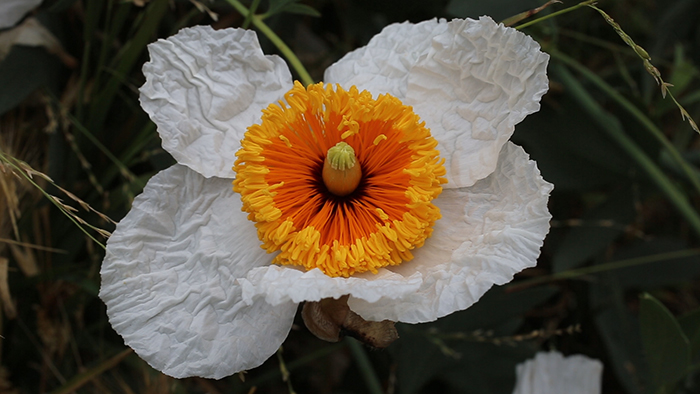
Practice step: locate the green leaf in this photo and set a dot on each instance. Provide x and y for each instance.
(277, 6)
(24, 70)
(570, 153)
(666, 347)
(301, 9)
(690, 323)
(619, 330)
(587, 240)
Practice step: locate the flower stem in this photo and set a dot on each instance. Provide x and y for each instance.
(605, 267)
(553, 14)
(264, 29)
(365, 366)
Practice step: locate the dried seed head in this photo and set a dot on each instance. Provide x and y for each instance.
(331, 319)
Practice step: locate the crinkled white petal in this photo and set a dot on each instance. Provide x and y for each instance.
(488, 232)
(552, 373)
(471, 81)
(273, 282)
(169, 280)
(11, 11)
(204, 87)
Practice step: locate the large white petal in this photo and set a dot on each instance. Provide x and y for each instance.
(471, 81)
(11, 11)
(204, 87)
(552, 373)
(488, 232)
(169, 280)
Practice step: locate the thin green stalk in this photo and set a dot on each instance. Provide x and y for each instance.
(553, 14)
(291, 57)
(122, 168)
(365, 366)
(251, 12)
(613, 265)
(81, 379)
(635, 112)
(284, 371)
(260, 380)
(614, 128)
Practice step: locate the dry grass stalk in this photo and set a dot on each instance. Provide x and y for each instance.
(7, 305)
(650, 68)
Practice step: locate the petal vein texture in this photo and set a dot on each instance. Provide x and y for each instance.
(203, 88)
(169, 280)
(471, 81)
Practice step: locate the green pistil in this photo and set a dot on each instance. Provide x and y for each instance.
(341, 156)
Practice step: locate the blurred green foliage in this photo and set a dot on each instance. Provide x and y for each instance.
(618, 275)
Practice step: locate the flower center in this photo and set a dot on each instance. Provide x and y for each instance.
(339, 181)
(341, 173)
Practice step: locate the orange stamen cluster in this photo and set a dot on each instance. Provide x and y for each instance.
(279, 176)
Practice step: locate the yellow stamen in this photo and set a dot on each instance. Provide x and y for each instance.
(380, 138)
(378, 219)
(286, 141)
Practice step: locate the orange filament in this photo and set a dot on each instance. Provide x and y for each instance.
(279, 174)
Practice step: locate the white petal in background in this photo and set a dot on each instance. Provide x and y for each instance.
(204, 87)
(11, 11)
(32, 33)
(169, 280)
(552, 373)
(470, 81)
(488, 232)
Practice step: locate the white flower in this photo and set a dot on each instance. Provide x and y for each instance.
(552, 373)
(184, 279)
(11, 11)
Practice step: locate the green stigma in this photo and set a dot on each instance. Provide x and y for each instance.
(341, 156)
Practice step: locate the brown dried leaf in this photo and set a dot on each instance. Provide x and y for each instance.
(26, 260)
(523, 15)
(331, 319)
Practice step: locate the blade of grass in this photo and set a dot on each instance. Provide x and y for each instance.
(126, 60)
(291, 366)
(635, 112)
(114, 22)
(93, 9)
(81, 379)
(524, 15)
(553, 14)
(251, 11)
(613, 265)
(32, 246)
(615, 131)
(285, 372)
(126, 173)
(291, 57)
(15, 164)
(365, 366)
(135, 147)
